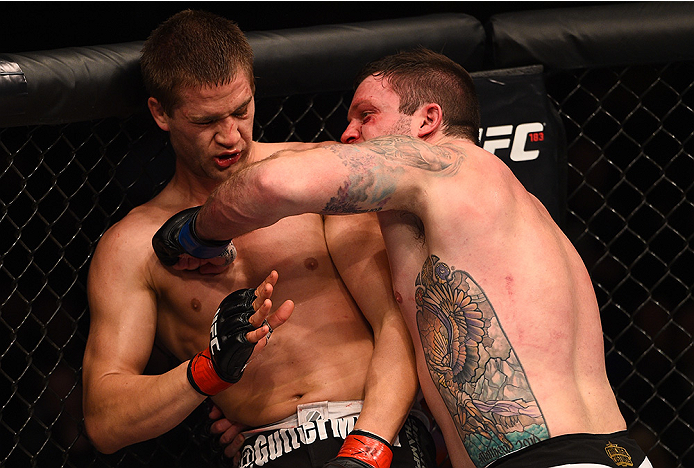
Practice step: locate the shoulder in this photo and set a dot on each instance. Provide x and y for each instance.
(131, 237)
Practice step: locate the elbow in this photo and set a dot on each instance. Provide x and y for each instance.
(272, 191)
(101, 436)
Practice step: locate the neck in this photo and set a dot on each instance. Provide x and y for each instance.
(438, 138)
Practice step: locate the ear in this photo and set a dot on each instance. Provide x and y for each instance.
(158, 113)
(430, 119)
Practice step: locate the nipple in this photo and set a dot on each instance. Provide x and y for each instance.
(311, 263)
(195, 304)
(398, 297)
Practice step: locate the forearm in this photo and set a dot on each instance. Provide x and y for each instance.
(391, 383)
(227, 214)
(125, 409)
(256, 197)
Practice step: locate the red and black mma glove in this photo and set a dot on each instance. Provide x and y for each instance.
(362, 449)
(177, 236)
(222, 364)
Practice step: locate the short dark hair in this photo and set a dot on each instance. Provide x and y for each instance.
(193, 49)
(422, 76)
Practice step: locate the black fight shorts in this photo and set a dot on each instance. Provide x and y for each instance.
(313, 443)
(579, 451)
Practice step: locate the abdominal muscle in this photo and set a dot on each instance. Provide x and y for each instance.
(299, 367)
(321, 353)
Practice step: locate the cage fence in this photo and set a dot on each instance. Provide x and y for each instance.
(630, 214)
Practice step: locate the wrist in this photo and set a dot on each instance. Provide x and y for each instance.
(202, 376)
(367, 447)
(197, 247)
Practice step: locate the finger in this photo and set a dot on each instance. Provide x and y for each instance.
(220, 426)
(272, 277)
(259, 335)
(262, 294)
(211, 269)
(266, 288)
(281, 315)
(232, 433)
(215, 413)
(261, 314)
(186, 262)
(221, 261)
(204, 265)
(272, 321)
(234, 447)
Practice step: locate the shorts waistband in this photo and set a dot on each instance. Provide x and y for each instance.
(580, 450)
(312, 412)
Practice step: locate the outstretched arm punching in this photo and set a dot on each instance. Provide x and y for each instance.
(381, 174)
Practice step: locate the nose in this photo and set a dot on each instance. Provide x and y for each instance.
(227, 132)
(351, 134)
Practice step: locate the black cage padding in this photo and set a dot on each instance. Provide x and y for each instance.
(594, 36)
(86, 83)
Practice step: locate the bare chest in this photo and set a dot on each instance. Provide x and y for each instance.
(294, 247)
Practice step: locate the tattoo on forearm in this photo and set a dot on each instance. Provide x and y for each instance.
(474, 366)
(376, 167)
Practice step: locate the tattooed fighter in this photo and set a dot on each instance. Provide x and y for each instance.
(498, 302)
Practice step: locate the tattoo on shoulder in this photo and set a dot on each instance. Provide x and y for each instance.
(376, 166)
(405, 151)
(474, 366)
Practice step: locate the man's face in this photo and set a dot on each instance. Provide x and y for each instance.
(211, 130)
(374, 112)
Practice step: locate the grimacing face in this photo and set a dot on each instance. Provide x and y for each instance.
(374, 112)
(211, 129)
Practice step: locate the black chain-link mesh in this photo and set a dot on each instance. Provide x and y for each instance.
(631, 215)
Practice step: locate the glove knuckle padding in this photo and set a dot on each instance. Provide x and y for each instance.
(165, 242)
(229, 347)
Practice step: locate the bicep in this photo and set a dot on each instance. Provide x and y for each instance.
(122, 314)
(365, 178)
(341, 179)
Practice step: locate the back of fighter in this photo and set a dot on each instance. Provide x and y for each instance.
(506, 326)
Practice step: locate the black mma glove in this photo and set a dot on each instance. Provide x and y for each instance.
(362, 449)
(222, 364)
(177, 237)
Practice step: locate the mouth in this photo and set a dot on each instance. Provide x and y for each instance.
(228, 159)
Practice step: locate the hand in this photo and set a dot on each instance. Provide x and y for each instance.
(177, 244)
(242, 320)
(206, 266)
(362, 449)
(230, 436)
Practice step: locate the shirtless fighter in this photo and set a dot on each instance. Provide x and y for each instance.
(498, 302)
(339, 373)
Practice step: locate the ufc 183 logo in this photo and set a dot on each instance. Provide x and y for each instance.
(514, 137)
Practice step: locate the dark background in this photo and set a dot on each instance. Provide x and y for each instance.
(31, 26)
